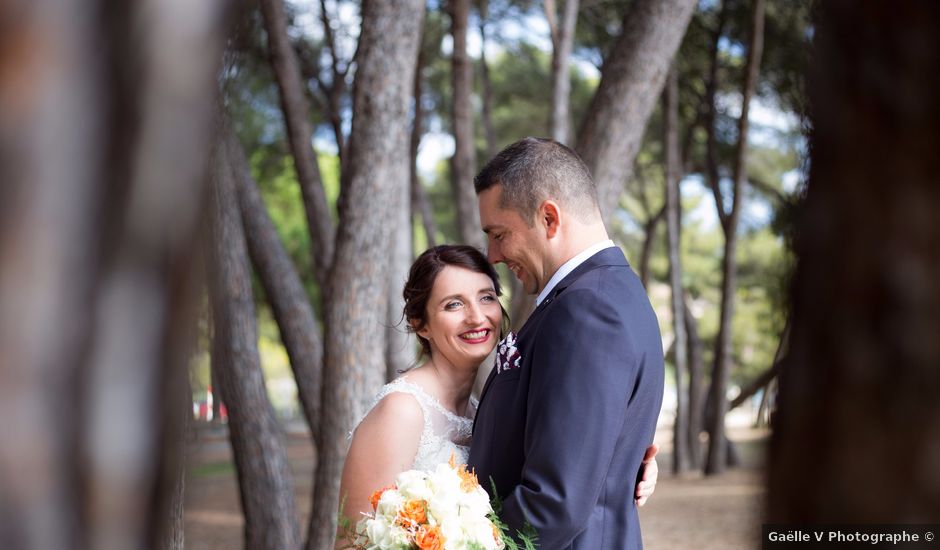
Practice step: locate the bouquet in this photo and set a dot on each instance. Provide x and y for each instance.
(443, 509)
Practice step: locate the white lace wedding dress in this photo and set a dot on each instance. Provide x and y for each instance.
(444, 433)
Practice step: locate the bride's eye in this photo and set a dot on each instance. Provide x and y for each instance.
(450, 306)
(488, 299)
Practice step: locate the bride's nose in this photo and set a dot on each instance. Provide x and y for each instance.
(474, 315)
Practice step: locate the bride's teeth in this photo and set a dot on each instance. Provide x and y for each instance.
(474, 335)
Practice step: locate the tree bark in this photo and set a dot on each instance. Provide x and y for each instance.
(334, 92)
(680, 462)
(377, 169)
(97, 270)
(649, 237)
(696, 386)
(860, 382)
(464, 161)
(258, 446)
(711, 139)
(283, 288)
(717, 450)
(420, 205)
(299, 133)
(632, 79)
(492, 147)
(562, 43)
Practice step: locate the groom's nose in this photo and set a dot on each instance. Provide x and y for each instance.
(492, 253)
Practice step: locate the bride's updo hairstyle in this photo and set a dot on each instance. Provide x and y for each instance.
(424, 272)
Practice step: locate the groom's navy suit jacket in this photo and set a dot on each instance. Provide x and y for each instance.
(563, 434)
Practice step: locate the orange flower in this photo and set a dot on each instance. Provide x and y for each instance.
(374, 499)
(413, 513)
(468, 480)
(429, 538)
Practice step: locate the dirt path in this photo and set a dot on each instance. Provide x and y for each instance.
(686, 512)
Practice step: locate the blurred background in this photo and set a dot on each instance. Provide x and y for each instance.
(210, 209)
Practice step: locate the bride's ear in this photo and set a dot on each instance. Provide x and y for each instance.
(420, 331)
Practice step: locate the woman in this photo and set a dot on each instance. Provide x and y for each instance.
(422, 418)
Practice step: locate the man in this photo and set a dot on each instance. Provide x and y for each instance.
(571, 406)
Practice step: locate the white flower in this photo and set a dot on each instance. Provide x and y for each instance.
(413, 484)
(390, 502)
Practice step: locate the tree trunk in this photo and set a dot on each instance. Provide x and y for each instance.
(562, 43)
(399, 347)
(696, 386)
(717, 450)
(98, 270)
(420, 205)
(258, 446)
(337, 87)
(299, 133)
(283, 288)
(680, 461)
(632, 78)
(464, 161)
(649, 237)
(711, 139)
(860, 384)
(492, 147)
(377, 169)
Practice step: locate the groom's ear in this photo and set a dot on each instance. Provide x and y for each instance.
(550, 217)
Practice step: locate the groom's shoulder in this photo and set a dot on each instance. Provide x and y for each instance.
(609, 280)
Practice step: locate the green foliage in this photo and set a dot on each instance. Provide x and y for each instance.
(527, 536)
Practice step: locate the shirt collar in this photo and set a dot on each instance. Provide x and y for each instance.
(570, 266)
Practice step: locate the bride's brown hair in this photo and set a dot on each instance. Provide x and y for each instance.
(424, 272)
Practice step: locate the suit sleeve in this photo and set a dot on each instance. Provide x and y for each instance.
(584, 369)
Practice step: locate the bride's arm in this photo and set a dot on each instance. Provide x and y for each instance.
(383, 446)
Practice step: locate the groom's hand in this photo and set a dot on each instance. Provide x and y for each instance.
(647, 484)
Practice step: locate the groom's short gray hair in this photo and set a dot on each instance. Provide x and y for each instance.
(533, 170)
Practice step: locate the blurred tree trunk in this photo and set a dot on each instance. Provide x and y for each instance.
(492, 147)
(99, 268)
(377, 170)
(717, 448)
(562, 34)
(696, 364)
(860, 383)
(173, 474)
(631, 81)
(711, 139)
(649, 238)
(420, 205)
(464, 161)
(283, 288)
(337, 88)
(680, 462)
(214, 382)
(299, 133)
(258, 445)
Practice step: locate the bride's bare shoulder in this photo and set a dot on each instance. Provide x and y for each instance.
(395, 413)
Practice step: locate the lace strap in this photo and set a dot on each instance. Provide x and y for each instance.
(424, 396)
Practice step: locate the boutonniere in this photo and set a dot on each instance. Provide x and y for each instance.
(507, 355)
